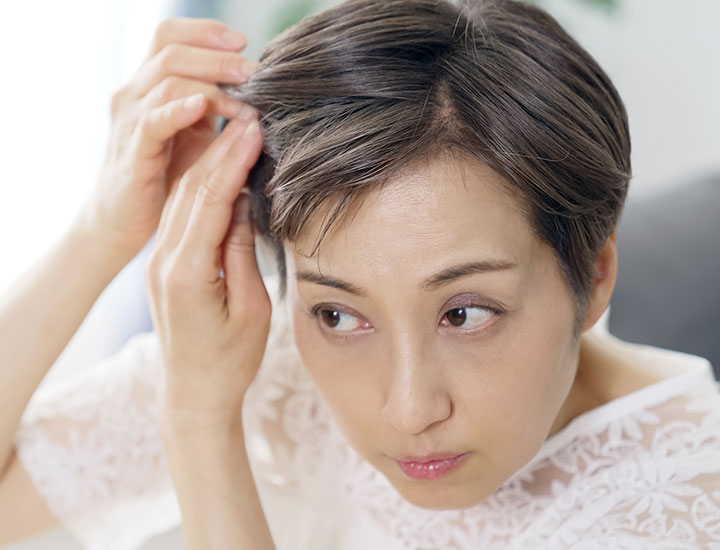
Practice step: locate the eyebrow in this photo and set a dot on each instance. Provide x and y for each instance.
(431, 283)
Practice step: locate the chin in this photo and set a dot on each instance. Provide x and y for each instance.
(438, 497)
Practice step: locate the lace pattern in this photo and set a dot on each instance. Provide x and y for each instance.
(640, 472)
(642, 481)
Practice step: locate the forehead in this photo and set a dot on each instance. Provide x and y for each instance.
(449, 206)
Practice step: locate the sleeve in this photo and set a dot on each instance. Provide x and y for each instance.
(668, 494)
(293, 445)
(91, 446)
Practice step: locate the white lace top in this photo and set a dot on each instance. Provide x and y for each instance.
(642, 471)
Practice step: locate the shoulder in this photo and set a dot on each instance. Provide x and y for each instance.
(647, 478)
(650, 475)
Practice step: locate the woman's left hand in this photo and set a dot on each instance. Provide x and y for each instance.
(212, 328)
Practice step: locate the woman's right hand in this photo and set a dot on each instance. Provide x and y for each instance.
(162, 121)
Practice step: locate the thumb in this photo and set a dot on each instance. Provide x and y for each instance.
(240, 263)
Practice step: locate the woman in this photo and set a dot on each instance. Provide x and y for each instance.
(440, 186)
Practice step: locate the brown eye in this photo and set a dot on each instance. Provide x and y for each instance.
(470, 317)
(331, 318)
(339, 321)
(457, 317)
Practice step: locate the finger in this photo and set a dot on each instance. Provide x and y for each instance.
(199, 63)
(187, 188)
(239, 260)
(175, 87)
(212, 210)
(203, 33)
(187, 147)
(160, 124)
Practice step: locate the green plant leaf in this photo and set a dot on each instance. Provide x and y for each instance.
(608, 6)
(291, 13)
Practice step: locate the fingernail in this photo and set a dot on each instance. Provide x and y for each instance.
(193, 101)
(243, 208)
(249, 67)
(234, 39)
(246, 113)
(252, 128)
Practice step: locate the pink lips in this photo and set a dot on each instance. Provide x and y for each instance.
(431, 466)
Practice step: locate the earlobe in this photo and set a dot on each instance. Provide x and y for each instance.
(606, 265)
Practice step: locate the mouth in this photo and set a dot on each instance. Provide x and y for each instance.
(432, 466)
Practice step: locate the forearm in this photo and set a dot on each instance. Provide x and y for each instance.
(42, 310)
(218, 498)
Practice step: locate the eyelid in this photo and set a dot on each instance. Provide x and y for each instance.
(315, 314)
(332, 307)
(465, 301)
(472, 300)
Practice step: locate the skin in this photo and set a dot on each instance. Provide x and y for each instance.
(411, 384)
(407, 381)
(164, 171)
(162, 121)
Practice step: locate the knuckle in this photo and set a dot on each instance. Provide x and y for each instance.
(214, 26)
(154, 287)
(176, 283)
(228, 64)
(167, 57)
(169, 88)
(151, 282)
(217, 96)
(154, 262)
(164, 29)
(187, 182)
(145, 122)
(117, 101)
(166, 115)
(241, 242)
(210, 27)
(209, 193)
(151, 265)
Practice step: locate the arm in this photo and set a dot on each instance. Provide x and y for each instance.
(213, 331)
(46, 305)
(162, 120)
(88, 452)
(218, 498)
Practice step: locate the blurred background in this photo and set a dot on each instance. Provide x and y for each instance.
(63, 61)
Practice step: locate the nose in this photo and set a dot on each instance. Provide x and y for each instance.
(417, 397)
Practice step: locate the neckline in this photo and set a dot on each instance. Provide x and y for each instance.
(686, 371)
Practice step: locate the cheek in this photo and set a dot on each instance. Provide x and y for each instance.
(512, 386)
(537, 375)
(312, 350)
(345, 378)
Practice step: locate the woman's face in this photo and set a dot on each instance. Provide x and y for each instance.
(443, 326)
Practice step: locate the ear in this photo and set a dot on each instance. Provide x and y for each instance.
(606, 266)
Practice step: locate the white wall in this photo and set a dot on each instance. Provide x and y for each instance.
(662, 55)
(664, 58)
(61, 69)
(62, 61)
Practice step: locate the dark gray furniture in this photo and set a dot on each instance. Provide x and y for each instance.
(668, 288)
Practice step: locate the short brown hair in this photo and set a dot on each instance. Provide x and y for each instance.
(352, 95)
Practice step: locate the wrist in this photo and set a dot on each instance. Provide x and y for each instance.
(195, 448)
(89, 231)
(193, 427)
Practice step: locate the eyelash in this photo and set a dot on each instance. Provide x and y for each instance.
(315, 313)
